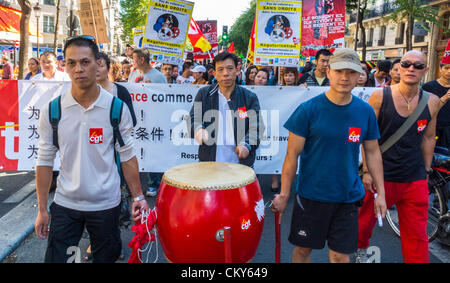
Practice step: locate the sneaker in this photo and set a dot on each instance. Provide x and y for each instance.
(361, 256)
(151, 192)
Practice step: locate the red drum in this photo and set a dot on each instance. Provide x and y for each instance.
(196, 201)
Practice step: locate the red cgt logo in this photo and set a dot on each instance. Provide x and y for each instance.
(421, 125)
(96, 136)
(354, 134)
(243, 112)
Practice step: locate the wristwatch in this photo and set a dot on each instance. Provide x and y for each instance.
(139, 198)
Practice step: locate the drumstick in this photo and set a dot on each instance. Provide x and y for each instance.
(227, 244)
(277, 238)
(380, 220)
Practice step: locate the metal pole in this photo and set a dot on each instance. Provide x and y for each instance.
(71, 19)
(277, 238)
(37, 36)
(93, 20)
(357, 26)
(227, 244)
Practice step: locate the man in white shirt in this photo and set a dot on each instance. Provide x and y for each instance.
(144, 72)
(50, 70)
(88, 190)
(225, 118)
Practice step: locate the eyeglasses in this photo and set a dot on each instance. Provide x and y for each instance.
(417, 65)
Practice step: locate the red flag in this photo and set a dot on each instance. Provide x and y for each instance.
(251, 43)
(197, 38)
(231, 48)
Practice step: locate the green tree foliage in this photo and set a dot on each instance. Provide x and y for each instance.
(414, 10)
(133, 14)
(241, 30)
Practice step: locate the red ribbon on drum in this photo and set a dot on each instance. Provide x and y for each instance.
(145, 230)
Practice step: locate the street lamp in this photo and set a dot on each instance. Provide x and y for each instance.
(37, 13)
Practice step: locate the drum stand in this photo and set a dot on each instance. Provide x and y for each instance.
(224, 235)
(277, 238)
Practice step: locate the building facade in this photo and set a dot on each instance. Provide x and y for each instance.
(386, 39)
(46, 24)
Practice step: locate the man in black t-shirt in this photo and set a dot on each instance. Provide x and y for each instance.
(441, 87)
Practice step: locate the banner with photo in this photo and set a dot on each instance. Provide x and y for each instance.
(138, 36)
(323, 26)
(278, 33)
(166, 30)
(161, 136)
(209, 30)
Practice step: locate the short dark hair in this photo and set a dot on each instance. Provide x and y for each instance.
(105, 57)
(384, 66)
(125, 61)
(82, 42)
(187, 65)
(396, 61)
(323, 52)
(142, 53)
(224, 56)
(48, 54)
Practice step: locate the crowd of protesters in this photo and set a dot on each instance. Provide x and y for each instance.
(136, 67)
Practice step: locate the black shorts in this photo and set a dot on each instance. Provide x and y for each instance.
(67, 226)
(314, 223)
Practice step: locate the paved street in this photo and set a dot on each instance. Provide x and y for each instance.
(32, 249)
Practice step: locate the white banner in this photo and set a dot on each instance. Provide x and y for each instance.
(161, 133)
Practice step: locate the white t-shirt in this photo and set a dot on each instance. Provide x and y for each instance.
(183, 80)
(58, 76)
(152, 76)
(225, 138)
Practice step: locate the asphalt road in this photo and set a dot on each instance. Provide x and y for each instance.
(32, 249)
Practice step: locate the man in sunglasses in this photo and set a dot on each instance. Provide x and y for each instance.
(406, 163)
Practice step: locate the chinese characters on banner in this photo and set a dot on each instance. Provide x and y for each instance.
(166, 29)
(323, 25)
(161, 136)
(278, 33)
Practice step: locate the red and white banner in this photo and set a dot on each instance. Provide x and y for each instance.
(323, 25)
(161, 139)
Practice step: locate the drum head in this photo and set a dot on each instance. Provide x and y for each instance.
(209, 176)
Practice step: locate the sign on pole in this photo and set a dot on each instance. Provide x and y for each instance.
(166, 30)
(323, 26)
(93, 20)
(209, 30)
(138, 36)
(278, 33)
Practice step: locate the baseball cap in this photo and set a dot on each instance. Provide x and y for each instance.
(345, 58)
(198, 69)
(60, 58)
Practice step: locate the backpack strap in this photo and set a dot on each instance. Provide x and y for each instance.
(115, 116)
(54, 111)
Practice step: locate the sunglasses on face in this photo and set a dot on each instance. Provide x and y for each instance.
(416, 65)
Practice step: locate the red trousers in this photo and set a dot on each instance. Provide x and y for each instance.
(411, 200)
